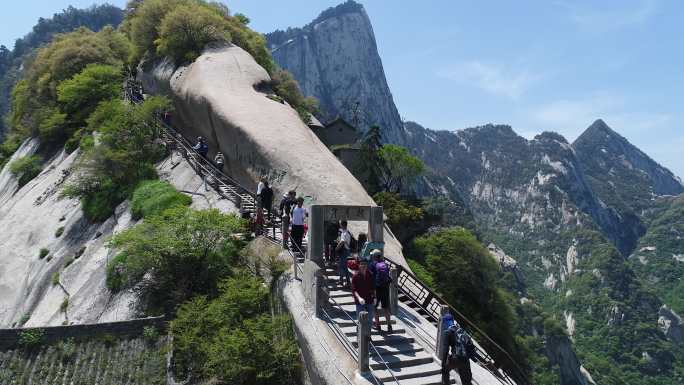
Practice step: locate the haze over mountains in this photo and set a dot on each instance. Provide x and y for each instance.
(571, 214)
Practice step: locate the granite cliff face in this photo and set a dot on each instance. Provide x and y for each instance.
(335, 59)
(34, 286)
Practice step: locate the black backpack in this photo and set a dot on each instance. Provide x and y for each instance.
(462, 343)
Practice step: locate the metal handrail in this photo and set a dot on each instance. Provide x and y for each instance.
(345, 341)
(434, 314)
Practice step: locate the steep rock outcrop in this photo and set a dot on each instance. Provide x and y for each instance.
(671, 325)
(559, 350)
(335, 59)
(218, 96)
(32, 288)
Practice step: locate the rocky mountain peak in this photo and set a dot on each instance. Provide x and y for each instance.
(612, 159)
(335, 59)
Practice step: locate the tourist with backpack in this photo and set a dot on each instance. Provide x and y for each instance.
(343, 251)
(363, 291)
(458, 350)
(201, 147)
(381, 275)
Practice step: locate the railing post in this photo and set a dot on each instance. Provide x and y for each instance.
(441, 331)
(363, 341)
(294, 264)
(394, 291)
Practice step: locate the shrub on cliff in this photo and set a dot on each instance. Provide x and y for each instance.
(26, 168)
(234, 338)
(180, 253)
(185, 31)
(125, 153)
(36, 110)
(154, 197)
(287, 87)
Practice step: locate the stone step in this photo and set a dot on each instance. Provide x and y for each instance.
(435, 379)
(351, 331)
(407, 348)
(403, 373)
(343, 322)
(399, 360)
(385, 340)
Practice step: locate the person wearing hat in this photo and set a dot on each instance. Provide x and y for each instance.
(457, 352)
(381, 275)
(201, 147)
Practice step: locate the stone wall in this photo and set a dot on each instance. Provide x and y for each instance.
(9, 338)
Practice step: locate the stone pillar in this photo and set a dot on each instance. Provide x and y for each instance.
(316, 233)
(376, 229)
(441, 330)
(363, 340)
(394, 291)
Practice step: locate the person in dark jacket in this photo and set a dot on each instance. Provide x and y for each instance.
(266, 197)
(458, 350)
(286, 205)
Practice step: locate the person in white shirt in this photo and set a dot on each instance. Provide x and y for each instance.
(343, 251)
(299, 215)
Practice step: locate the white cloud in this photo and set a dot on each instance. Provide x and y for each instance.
(494, 79)
(589, 17)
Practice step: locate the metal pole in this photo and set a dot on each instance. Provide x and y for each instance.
(363, 341)
(394, 291)
(441, 330)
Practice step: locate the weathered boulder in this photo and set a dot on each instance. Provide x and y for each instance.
(223, 97)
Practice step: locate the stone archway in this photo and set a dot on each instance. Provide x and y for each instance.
(322, 214)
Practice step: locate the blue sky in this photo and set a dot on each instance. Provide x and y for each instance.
(534, 64)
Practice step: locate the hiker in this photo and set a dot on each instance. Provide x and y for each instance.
(261, 184)
(166, 118)
(332, 230)
(299, 214)
(201, 147)
(285, 208)
(266, 198)
(343, 250)
(219, 161)
(363, 291)
(381, 275)
(457, 352)
(360, 243)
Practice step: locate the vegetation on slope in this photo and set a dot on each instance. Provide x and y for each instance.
(182, 28)
(154, 197)
(93, 18)
(659, 257)
(124, 154)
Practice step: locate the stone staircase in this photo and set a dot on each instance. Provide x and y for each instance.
(395, 358)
